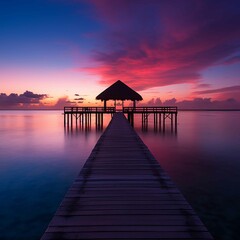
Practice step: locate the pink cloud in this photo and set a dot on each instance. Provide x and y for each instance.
(158, 43)
(203, 85)
(64, 102)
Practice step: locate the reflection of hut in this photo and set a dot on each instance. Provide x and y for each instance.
(119, 91)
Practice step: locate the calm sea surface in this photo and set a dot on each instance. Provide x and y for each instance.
(39, 160)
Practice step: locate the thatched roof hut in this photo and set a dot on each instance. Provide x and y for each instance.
(119, 91)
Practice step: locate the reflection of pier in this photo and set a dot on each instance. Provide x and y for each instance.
(160, 115)
(82, 116)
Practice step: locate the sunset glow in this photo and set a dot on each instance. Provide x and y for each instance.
(185, 53)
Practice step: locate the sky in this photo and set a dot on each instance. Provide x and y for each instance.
(55, 53)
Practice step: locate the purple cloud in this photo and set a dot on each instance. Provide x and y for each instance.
(79, 99)
(232, 60)
(197, 103)
(208, 103)
(32, 95)
(30, 100)
(220, 90)
(154, 102)
(14, 100)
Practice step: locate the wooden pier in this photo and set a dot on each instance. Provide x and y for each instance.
(160, 115)
(123, 193)
(82, 116)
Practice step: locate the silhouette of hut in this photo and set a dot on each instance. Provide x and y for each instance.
(119, 91)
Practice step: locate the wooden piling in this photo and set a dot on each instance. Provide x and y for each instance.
(84, 114)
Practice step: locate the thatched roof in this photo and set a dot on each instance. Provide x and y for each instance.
(119, 91)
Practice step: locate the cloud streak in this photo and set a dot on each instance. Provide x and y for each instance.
(220, 90)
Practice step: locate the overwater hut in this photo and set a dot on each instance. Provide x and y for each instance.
(119, 91)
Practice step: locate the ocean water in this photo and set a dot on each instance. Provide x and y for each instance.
(203, 159)
(39, 160)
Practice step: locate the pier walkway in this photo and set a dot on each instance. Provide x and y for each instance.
(123, 193)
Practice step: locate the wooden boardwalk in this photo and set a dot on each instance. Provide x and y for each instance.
(123, 193)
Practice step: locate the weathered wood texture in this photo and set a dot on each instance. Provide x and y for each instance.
(123, 193)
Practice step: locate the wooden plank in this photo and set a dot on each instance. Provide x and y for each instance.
(126, 228)
(129, 235)
(81, 211)
(126, 206)
(146, 220)
(132, 201)
(123, 193)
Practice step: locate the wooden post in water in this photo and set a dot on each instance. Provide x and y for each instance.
(175, 122)
(68, 119)
(160, 122)
(164, 121)
(155, 121)
(131, 118)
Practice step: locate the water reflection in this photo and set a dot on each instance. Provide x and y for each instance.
(89, 123)
(203, 160)
(39, 161)
(152, 126)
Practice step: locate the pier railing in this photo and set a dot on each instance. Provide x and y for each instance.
(89, 110)
(150, 109)
(125, 109)
(81, 116)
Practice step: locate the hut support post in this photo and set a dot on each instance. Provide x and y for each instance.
(134, 103)
(105, 105)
